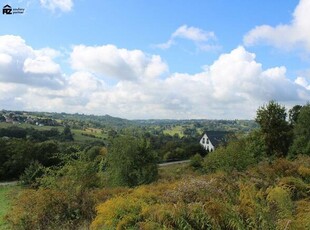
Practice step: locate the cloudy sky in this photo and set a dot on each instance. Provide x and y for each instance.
(136, 59)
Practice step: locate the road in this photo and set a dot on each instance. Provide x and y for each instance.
(173, 163)
(8, 183)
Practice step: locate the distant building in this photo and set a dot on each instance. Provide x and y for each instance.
(212, 139)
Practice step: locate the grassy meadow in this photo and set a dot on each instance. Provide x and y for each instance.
(7, 192)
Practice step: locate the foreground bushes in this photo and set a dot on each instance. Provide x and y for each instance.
(57, 209)
(268, 196)
(237, 155)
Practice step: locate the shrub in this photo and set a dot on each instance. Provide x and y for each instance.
(298, 189)
(279, 199)
(252, 207)
(131, 162)
(196, 161)
(302, 217)
(231, 157)
(50, 209)
(31, 175)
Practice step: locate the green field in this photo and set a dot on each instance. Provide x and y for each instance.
(24, 125)
(77, 133)
(178, 129)
(6, 196)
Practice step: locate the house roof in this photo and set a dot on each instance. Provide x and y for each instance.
(217, 137)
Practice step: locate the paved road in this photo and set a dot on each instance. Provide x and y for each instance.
(8, 183)
(173, 163)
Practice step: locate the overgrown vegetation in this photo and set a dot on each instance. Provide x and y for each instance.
(261, 197)
(259, 181)
(7, 194)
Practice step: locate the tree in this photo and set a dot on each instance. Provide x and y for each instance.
(131, 162)
(293, 114)
(66, 134)
(301, 142)
(274, 128)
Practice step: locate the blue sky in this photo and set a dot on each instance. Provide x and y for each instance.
(155, 59)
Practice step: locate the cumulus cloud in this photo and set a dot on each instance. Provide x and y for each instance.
(122, 64)
(296, 34)
(233, 86)
(197, 35)
(62, 5)
(22, 64)
(303, 82)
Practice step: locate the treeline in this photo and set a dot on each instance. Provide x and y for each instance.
(280, 135)
(35, 134)
(20, 147)
(16, 155)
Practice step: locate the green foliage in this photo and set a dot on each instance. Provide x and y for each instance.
(64, 198)
(50, 209)
(196, 161)
(7, 194)
(275, 128)
(13, 131)
(67, 134)
(17, 154)
(296, 186)
(301, 144)
(235, 156)
(253, 207)
(255, 145)
(278, 199)
(234, 200)
(271, 195)
(76, 175)
(293, 114)
(33, 172)
(130, 162)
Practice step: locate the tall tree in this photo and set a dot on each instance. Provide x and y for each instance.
(293, 114)
(274, 128)
(301, 142)
(67, 134)
(130, 162)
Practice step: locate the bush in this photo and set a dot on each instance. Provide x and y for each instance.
(196, 161)
(130, 162)
(31, 174)
(279, 200)
(232, 157)
(51, 209)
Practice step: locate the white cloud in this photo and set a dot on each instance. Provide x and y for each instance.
(41, 65)
(122, 64)
(5, 59)
(296, 34)
(197, 35)
(233, 86)
(303, 82)
(22, 64)
(62, 5)
(193, 33)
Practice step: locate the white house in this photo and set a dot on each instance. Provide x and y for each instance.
(212, 139)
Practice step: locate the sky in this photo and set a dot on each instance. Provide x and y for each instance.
(147, 59)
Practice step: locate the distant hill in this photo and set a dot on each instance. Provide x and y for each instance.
(81, 121)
